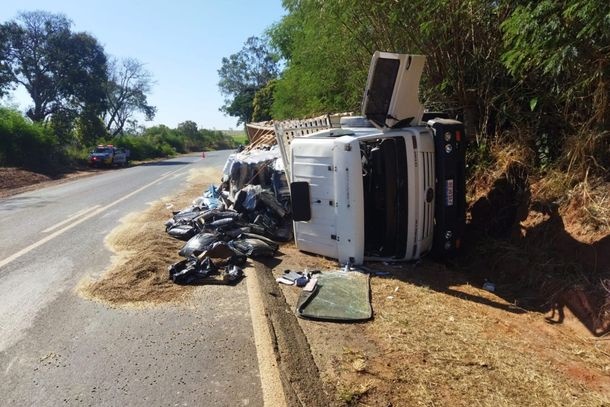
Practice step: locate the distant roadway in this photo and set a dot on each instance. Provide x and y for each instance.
(57, 348)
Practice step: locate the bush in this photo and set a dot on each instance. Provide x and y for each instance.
(144, 147)
(28, 145)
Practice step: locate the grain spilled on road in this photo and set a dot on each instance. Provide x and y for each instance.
(138, 276)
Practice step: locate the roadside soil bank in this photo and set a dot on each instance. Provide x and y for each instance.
(438, 338)
(15, 181)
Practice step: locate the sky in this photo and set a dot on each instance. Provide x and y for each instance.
(181, 42)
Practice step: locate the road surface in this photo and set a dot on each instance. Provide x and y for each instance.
(59, 349)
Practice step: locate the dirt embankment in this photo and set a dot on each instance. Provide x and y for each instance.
(438, 338)
(16, 180)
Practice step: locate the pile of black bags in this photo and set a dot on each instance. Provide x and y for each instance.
(221, 233)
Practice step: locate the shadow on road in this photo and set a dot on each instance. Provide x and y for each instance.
(164, 163)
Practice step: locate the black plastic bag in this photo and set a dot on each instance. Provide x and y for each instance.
(183, 232)
(191, 271)
(231, 274)
(198, 244)
(253, 247)
(268, 200)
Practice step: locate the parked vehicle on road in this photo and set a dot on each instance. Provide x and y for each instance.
(108, 155)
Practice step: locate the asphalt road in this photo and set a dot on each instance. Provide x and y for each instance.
(59, 349)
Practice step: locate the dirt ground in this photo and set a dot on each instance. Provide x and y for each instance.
(16, 180)
(437, 340)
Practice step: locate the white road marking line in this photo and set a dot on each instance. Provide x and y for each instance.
(273, 393)
(76, 215)
(77, 222)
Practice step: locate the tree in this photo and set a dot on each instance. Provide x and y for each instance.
(59, 69)
(6, 79)
(127, 89)
(263, 102)
(193, 140)
(328, 47)
(243, 74)
(566, 46)
(188, 129)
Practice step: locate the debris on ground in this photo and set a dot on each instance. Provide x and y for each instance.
(137, 276)
(243, 217)
(296, 278)
(339, 296)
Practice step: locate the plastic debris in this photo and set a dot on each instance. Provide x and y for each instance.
(231, 273)
(191, 271)
(211, 197)
(252, 247)
(198, 243)
(489, 286)
(243, 217)
(182, 232)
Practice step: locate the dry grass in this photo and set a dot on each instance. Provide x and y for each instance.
(502, 155)
(437, 341)
(590, 199)
(143, 251)
(586, 152)
(438, 349)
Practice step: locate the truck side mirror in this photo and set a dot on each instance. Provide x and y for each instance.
(301, 209)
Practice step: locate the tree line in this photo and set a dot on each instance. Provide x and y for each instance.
(532, 72)
(80, 97)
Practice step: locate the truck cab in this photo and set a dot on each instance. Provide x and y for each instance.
(385, 186)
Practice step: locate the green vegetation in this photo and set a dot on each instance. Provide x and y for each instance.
(535, 73)
(27, 144)
(246, 80)
(238, 137)
(36, 146)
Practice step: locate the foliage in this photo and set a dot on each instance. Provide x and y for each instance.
(27, 144)
(240, 139)
(328, 46)
(61, 70)
(126, 94)
(536, 71)
(567, 45)
(560, 51)
(245, 73)
(263, 102)
(6, 78)
(162, 141)
(326, 61)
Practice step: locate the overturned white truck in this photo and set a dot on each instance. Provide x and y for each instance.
(386, 186)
